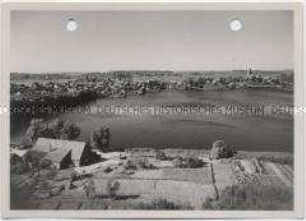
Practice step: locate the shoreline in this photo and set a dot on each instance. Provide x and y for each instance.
(81, 89)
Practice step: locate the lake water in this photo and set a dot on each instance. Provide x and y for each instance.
(189, 119)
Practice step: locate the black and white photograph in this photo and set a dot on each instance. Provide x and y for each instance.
(188, 110)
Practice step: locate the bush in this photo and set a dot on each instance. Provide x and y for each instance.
(100, 138)
(130, 165)
(161, 204)
(89, 188)
(189, 162)
(252, 197)
(144, 163)
(112, 188)
(160, 155)
(138, 163)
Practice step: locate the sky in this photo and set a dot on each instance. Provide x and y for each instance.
(150, 40)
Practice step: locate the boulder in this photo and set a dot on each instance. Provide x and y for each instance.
(221, 150)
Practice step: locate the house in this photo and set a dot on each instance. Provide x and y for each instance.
(60, 158)
(61, 153)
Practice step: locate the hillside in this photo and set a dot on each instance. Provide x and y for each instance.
(151, 179)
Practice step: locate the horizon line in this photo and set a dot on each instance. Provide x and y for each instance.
(148, 70)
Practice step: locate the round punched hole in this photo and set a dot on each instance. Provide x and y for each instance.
(72, 25)
(235, 25)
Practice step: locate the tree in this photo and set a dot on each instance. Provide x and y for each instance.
(220, 149)
(55, 129)
(69, 131)
(100, 138)
(32, 132)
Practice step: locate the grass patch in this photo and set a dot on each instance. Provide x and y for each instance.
(288, 160)
(274, 157)
(252, 197)
(201, 176)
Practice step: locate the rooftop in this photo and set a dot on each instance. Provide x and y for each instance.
(56, 148)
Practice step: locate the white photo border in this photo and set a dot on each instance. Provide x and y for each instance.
(299, 101)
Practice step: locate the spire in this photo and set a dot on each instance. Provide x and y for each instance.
(249, 72)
